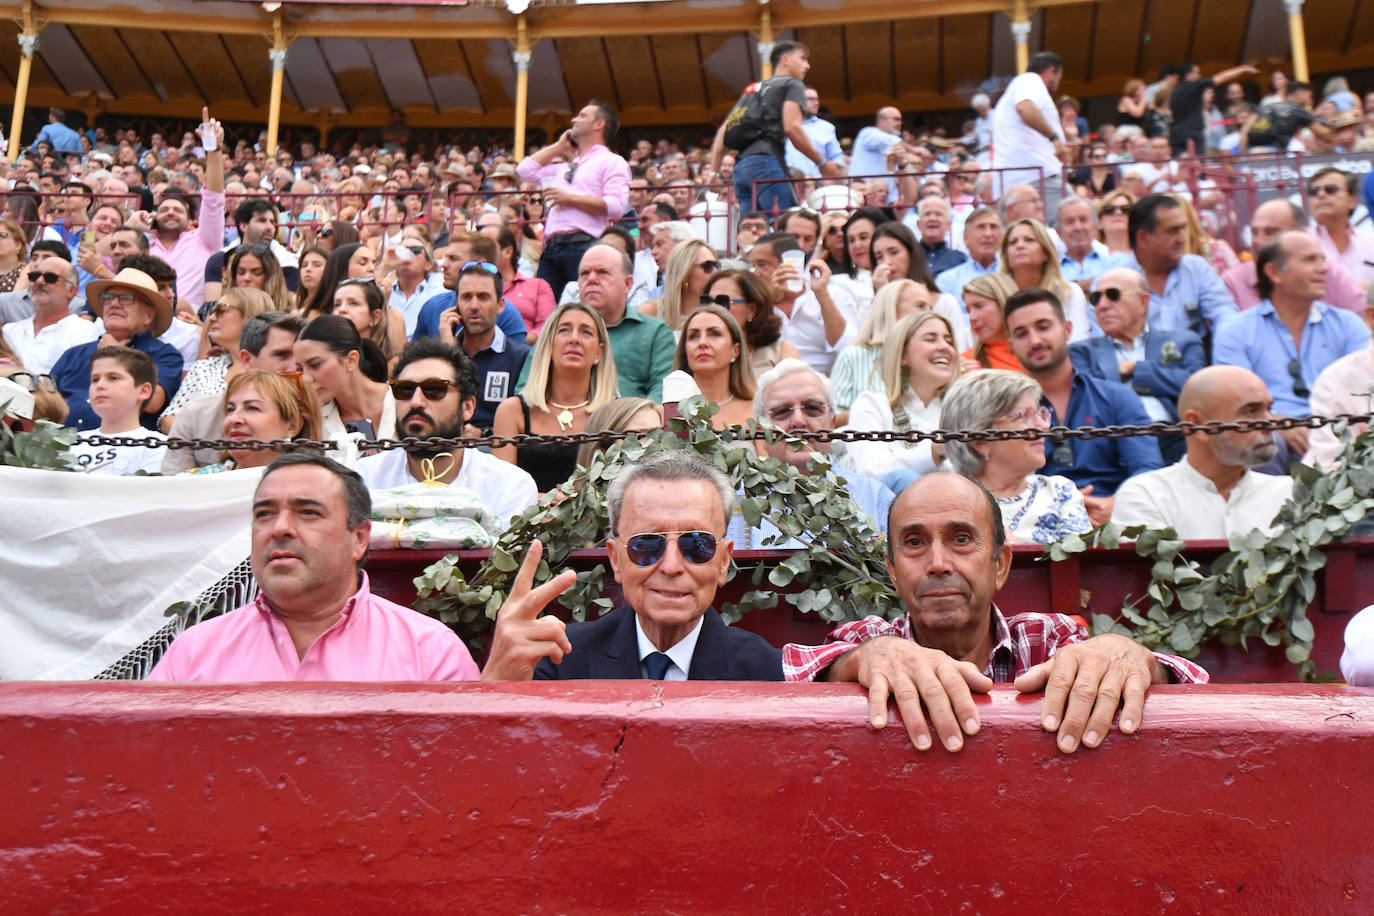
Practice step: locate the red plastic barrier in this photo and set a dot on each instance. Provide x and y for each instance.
(690, 798)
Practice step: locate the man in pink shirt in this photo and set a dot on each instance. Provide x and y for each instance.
(172, 237)
(1270, 220)
(316, 618)
(586, 187)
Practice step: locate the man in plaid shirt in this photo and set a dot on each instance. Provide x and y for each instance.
(947, 555)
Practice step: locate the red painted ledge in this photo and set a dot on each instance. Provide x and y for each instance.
(692, 798)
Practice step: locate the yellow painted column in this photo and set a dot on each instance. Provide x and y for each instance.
(278, 57)
(1297, 38)
(28, 47)
(1020, 33)
(324, 124)
(765, 43)
(522, 58)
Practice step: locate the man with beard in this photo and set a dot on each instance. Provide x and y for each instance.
(498, 359)
(1039, 337)
(1212, 492)
(435, 387)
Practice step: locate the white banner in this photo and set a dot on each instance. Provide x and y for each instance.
(89, 564)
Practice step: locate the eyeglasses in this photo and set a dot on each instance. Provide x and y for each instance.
(1111, 293)
(1317, 190)
(416, 249)
(222, 307)
(258, 250)
(1300, 388)
(1025, 415)
(47, 276)
(32, 382)
(572, 170)
(434, 389)
(294, 377)
(1111, 209)
(696, 547)
(324, 233)
(485, 265)
(722, 300)
(359, 281)
(709, 266)
(122, 298)
(812, 410)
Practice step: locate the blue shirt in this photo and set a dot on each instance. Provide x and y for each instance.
(1259, 341)
(427, 324)
(941, 257)
(822, 134)
(1102, 463)
(1194, 297)
(952, 281)
(72, 374)
(62, 138)
(1093, 266)
(498, 369)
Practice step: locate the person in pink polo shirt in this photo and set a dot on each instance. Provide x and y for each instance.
(315, 618)
(172, 237)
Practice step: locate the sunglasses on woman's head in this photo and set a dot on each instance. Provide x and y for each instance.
(696, 547)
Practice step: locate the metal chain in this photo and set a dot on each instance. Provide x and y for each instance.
(1054, 433)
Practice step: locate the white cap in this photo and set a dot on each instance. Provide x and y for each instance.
(20, 400)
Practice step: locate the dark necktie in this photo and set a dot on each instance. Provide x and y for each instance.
(657, 665)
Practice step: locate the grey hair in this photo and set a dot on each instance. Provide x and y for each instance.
(1074, 201)
(974, 402)
(980, 97)
(671, 465)
(784, 368)
(678, 230)
(1010, 197)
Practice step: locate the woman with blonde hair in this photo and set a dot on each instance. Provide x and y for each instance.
(855, 369)
(1031, 260)
(223, 325)
(712, 350)
(1215, 251)
(917, 364)
(690, 266)
(572, 373)
(623, 415)
(985, 298)
(261, 405)
(1113, 221)
(14, 254)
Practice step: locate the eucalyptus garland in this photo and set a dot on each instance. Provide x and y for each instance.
(45, 447)
(838, 575)
(1261, 587)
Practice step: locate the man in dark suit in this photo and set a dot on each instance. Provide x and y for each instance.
(1154, 363)
(669, 553)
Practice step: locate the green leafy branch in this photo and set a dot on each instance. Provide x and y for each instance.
(46, 446)
(1261, 587)
(838, 573)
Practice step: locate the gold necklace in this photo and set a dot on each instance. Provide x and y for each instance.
(565, 418)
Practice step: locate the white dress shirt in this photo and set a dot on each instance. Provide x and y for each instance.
(40, 352)
(1179, 497)
(505, 489)
(872, 412)
(805, 328)
(680, 653)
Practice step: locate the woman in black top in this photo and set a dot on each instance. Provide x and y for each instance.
(572, 373)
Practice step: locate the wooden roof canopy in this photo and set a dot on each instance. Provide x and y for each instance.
(445, 63)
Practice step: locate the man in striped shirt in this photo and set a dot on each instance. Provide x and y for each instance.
(948, 556)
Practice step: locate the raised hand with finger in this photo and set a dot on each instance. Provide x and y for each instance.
(523, 637)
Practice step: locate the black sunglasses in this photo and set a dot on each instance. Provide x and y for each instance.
(1115, 208)
(709, 266)
(1317, 190)
(722, 300)
(1096, 295)
(33, 382)
(47, 276)
(324, 233)
(697, 547)
(1300, 388)
(434, 389)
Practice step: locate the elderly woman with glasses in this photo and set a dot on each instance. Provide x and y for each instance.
(1035, 508)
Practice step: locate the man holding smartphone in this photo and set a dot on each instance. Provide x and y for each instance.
(586, 187)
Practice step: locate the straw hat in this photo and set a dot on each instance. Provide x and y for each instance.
(138, 282)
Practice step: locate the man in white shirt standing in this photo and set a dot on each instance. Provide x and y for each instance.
(1213, 492)
(52, 329)
(1026, 135)
(435, 386)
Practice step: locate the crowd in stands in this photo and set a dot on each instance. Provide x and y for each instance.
(1033, 271)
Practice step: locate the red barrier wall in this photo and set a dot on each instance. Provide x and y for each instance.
(690, 798)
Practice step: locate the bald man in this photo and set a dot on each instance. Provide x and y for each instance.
(1154, 363)
(878, 149)
(1271, 219)
(1213, 492)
